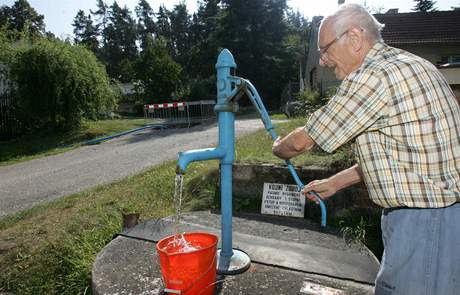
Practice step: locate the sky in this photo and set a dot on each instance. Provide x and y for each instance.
(59, 14)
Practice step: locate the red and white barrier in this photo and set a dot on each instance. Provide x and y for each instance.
(180, 112)
(165, 105)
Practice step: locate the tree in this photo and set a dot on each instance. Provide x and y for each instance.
(164, 27)
(102, 15)
(204, 32)
(295, 44)
(59, 84)
(5, 16)
(158, 73)
(22, 18)
(254, 31)
(424, 5)
(145, 23)
(7, 50)
(180, 38)
(120, 48)
(85, 32)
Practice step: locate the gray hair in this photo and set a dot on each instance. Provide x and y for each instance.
(355, 15)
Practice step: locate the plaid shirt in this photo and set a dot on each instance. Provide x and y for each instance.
(405, 121)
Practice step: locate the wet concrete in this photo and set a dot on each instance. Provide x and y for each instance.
(288, 256)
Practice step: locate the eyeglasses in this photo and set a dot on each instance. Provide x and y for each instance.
(323, 50)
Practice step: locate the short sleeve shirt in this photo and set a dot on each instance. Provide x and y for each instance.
(405, 123)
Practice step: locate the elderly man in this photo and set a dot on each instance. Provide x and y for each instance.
(405, 123)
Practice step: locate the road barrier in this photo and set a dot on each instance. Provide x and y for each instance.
(187, 112)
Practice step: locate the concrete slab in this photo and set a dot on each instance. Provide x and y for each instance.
(287, 254)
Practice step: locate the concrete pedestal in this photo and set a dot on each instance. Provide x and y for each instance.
(288, 256)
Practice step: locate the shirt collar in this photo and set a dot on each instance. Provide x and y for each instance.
(374, 52)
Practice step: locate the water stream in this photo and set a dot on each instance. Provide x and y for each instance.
(179, 183)
(179, 244)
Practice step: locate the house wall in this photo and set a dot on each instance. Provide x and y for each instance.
(316, 77)
(436, 54)
(322, 79)
(440, 54)
(452, 75)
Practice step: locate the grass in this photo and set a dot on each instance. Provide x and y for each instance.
(50, 248)
(40, 144)
(277, 116)
(363, 226)
(257, 148)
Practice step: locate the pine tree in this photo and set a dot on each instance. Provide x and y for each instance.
(22, 18)
(120, 50)
(254, 31)
(5, 16)
(206, 19)
(204, 32)
(102, 15)
(296, 46)
(180, 37)
(424, 6)
(85, 32)
(163, 27)
(145, 23)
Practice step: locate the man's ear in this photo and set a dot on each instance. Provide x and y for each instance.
(356, 37)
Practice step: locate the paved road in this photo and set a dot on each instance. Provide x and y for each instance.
(28, 183)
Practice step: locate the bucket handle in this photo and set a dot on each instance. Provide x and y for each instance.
(173, 291)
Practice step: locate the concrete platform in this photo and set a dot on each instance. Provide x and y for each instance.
(288, 256)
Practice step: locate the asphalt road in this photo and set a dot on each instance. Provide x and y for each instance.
(26, 184)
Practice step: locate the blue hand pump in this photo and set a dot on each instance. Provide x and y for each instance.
(229, 89)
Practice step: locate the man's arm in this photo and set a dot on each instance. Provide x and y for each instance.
(329, 186)
(293, 144)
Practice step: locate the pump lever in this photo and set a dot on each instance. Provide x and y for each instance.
(253, 95)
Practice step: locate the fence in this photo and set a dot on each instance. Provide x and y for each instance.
(189, 113)
(9, 125)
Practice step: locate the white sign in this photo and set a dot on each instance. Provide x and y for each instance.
(311, 288)
(283, 199)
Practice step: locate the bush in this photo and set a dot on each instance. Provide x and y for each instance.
(309, 96)
(202, 89)
(158, 73)
(307, 102)
(58, 84)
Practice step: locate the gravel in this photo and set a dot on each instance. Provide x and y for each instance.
(29, 183)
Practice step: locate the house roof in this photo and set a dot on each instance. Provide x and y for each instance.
(421, 27)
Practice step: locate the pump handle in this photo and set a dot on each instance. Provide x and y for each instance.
(250, 90)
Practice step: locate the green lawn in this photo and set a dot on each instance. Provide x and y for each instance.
(50, 248)
(42, 144)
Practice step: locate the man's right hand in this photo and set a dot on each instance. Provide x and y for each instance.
(325, 188)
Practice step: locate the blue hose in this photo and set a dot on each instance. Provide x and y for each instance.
(101, 139)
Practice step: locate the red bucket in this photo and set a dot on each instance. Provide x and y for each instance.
(189, 272)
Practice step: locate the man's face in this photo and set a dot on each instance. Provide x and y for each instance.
(335, 51)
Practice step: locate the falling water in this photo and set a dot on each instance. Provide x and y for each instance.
(179, 244)
(178, 202)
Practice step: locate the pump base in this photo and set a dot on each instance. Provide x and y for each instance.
(238, 263)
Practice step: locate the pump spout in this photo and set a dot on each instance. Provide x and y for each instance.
(187, 157)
